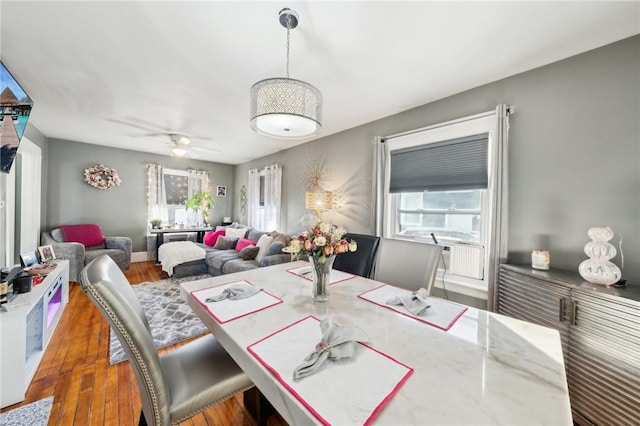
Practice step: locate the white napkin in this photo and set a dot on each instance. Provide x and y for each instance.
(337, 342)
(235, 292)
(415, 302)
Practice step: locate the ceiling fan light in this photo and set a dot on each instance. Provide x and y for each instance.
(178, 152)
(179, 139)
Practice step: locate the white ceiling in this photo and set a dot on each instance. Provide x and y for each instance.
(119, 73)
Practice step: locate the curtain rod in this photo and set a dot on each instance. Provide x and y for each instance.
(509, 109)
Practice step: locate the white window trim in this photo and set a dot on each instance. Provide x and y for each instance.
(484, 123)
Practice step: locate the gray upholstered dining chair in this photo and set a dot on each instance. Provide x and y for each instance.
(407, 264)
(177, 385)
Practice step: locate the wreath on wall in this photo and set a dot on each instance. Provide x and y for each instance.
(101, 177)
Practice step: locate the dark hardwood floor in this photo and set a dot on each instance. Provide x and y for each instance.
(87, 390)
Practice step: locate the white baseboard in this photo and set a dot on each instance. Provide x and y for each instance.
(139, 256)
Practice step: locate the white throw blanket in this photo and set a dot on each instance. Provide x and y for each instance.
(177, 252)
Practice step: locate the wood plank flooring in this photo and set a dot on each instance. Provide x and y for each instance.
(88, 390)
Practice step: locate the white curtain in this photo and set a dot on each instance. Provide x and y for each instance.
(253, 199)
(157, 199)
(264, 200)
(500, 204)
(377, 191)
(197, 181)
(272, 197)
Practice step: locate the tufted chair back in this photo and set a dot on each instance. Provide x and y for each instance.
(108, 288)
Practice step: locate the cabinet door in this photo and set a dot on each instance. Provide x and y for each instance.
(530, 299)
(604, 367)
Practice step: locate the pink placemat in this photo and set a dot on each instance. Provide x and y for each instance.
(346, 392)
(227, 310)
(306, 273)
(441, 313)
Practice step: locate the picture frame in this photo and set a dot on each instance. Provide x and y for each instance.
(221, 191)
(29, 258)
(46, 254)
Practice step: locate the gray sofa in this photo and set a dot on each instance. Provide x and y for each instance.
(117, 248)
(220, 261)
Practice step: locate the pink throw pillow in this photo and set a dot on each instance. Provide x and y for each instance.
(243, 242)
(211, 237)
(89, 235)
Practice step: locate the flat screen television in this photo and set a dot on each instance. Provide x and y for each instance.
(15, 107)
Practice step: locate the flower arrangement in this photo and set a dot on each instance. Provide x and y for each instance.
(101, 177)
(321, 241)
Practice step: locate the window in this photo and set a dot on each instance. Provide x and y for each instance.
(176, 187)
(452, 216)
(446, 180)
(264, 193)
(438, 187)
(168, 189)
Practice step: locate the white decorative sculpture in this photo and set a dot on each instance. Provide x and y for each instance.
(598, 269)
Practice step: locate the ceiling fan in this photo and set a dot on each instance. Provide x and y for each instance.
(182, 146)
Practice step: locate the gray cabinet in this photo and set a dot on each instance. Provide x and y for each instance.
(600, 332)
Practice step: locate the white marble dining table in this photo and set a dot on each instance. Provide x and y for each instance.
(487, 369)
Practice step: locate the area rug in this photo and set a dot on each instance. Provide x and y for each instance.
(170, 318)
(34, 414)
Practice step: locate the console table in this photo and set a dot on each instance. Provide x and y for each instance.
(27, 324)
(600, 331)
(159, 233)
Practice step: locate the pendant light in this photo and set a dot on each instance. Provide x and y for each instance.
(284, 107)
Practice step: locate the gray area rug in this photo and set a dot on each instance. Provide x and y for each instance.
(170, 318)
(34, 414)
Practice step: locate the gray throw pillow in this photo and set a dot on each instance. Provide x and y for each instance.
(249, 252)
(226, 243)
(57, 235)
(274, 248)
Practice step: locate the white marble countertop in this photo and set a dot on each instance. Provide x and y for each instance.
(487, 369)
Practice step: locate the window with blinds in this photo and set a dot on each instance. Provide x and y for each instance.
(438, 183)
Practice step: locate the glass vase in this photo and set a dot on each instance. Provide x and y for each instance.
(321, 277)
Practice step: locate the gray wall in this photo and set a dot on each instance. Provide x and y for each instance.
(574, 155)
(121, 210)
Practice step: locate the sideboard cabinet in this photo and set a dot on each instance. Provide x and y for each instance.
(600, 332)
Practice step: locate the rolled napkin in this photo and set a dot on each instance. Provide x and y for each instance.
(235, 292)
(415, 302)
(338, 341)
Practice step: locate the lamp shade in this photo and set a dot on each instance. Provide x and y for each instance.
(318, 199)
(285, 108)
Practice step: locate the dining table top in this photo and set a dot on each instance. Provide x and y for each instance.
(481, 368)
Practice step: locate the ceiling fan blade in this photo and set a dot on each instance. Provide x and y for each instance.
(201, 138)
(138, 124)
(204, 149)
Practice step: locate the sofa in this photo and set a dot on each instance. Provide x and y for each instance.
(82, 243)
(223, 254)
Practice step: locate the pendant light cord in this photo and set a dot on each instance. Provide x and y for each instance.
(288, 29)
